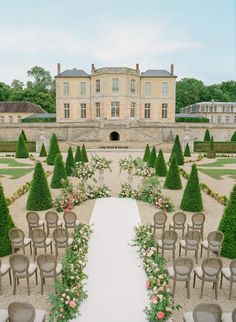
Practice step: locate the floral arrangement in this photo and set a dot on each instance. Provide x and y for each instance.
(83, 171)
(137, 167)
(164, 203)
(69, 287)
(98, 192)
(101, 163)
(127, 164)
(161, 301)
(199, 158)
(128, 192)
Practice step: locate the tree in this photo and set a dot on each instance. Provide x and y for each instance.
(160, 165)
(23, 134)
(152, 158)
(211, 153)
(21, 149)
(59, 173)
(146, 154)
(39, 196)
(228, 227)
(233, 137)
(78, 155)
(70, 162)
(6, 224)
(43, 152)
(207, 137)
(173, 180)
(187, 152)
(192, 199)
(84, 154)
(177, 150)
(53, 150)
(42, 79)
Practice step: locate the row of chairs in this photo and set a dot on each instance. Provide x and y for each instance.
(208, 312)
(39, 240)
(179, 221)
(209, 271)
(21, 268)
(22, 312)
(51, 221)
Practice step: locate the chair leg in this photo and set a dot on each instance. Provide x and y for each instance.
(162, 252)
(36, 277)
(173, 253)
(14, 286)
(194, 279)
(188, 289)
(183, 232)
(23, 249)
(41, 285)
(221, 280)
(202, 287)
(179, 250)
(27, 280)
(201, 251)
(9, 272)
(186, 251)
(174, 285)
(230, 289)
(30, 248)
(51, 248)
(196, 255)
(216, 290)
(0, 285)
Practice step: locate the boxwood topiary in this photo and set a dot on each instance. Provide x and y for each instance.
(78, 155)
(173, 180)
(152, 158)
(187, 152)
(177, 150)
(23, 134)
(84, 154)
(43, 152)
(160, 165)
(53, 150)
(59, 173)
(233, 137)
(146, 154)
(70, 162)
(21, 149)
(207, 136)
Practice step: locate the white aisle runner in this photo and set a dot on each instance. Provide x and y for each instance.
(116, 280)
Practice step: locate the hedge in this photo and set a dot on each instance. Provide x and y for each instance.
(10, 146)
(192, 119)
(220, 147)
(39, 120)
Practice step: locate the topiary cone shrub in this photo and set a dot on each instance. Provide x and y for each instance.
(84, 154)
(173, 180)
(6, 224)
(59, 173)
(23, 134)
(211, 153)
(78, 155)
(207, 136)
(187, 152)
(39, 197)
(177, 150)
(21, 149)
(152, 158)
(146, 153)
(233, 137)
(43, 152)
(192, 198)
(70, 162)
(53, 150)
(228, 227)
(160, 165)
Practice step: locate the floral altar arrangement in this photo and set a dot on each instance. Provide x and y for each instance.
(161, 300)
(84, 171)
(101, 163)
(136, 167)
(69, 288)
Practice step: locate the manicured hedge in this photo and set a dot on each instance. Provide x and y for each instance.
(10, 146)
(192, 119)
(220, 147)
(39, 120)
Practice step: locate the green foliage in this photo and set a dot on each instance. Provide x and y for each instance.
(207, 136)
(59, 173)
(211, 152)
(173, 180)
(78, 155)
(21, 150)
(24, 136)
(220, 147)
(53, 150)
(192, 199)
(84, 154)
(6, 224)
(187, 152)
(228, 227)
(11, 146)
(43, 152)
(233, 137)
(177, 150)
(191, 119)
(39, 197)
(39, 120)
(152, 158)
(146, 154)
(70, 162)
(160, 165)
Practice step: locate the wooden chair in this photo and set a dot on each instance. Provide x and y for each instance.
(198, 220)
(179, 220)
(167, 242)
(181, 271)
(190, 243)
(21, 268)
(52, 220)
(229, 317)
(4, 269)
(25, 312)
(70, 220)
(18, 240)
(209, 272)
(61, 239)
(213, 243)
(33, 220)
(204, 312)
(40, 240)
(229, 273)
(159, 221)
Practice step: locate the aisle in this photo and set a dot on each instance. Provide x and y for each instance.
(116, 280)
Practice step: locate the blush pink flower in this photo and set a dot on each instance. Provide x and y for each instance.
(147, 285)
(160, 315)
(160, 289)
(153, 300)
(72, 304)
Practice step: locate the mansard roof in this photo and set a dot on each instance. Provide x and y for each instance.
(21, 107)
(73, 73)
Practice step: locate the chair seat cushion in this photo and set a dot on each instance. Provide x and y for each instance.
(170, 271)
(48, 241)
(205, 243)
(58, 269)
(3, 315)
(188, 317)
(227, 274)
(70, 240)
(198, 271)
(32, 268)
(226, 317)
(40, 316)
(27, 241)
(4, 268)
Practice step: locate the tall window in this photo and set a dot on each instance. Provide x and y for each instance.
(218, 119)
(83, 111)
(227, 119)
(98, 110)
(147, 110)
(133, 86)
(67, 111)
(223, 109)
(98, 86)
(211, 109)
(115, 84)
(82, 88)
(132, 109)
(207, 108)
(165, 86)
(202, 108)
(10, 119)
(2, 119)
(164, 111)
(148, 88)
(19, 118)
(227, 109)
(212, 119)
(115, 109)
(66, 88)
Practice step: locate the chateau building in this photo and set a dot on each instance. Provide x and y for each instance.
(115, 94)
(216, 112)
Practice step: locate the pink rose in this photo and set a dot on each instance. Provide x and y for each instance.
(153, 300)
(72, 304)
(147, 285)
(160, 289)
(160, 315)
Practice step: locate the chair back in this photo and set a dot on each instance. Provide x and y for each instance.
(51, 217)
(232, 267)
(169, 238)
(19, 312)
(38, 237)
(215, 239)
(211, 267)
(205, 312)
(234, 315)
(179, 218)
(47, 264)
(69, 218)
(183, 267)
(159, 218)
(60, 236)
(16, 237)
(192, 238)
(19, 264)
(32, 218)
(198, 219)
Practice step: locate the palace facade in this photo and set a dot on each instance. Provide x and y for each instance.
(115, 94)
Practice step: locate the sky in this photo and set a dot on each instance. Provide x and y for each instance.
(197, 36)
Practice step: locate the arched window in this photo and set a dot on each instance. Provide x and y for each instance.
(115, 136)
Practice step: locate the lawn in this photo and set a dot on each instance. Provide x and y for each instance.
(15, 173)
(220, 162)
(13, 163)
(218, 174)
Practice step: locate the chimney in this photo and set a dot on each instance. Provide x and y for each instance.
(58, 68)
(172, 69)
(93, 68)
(137, 68)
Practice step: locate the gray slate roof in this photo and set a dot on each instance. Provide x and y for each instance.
(21, 107)
(73, 73)
(41, 116)
(155, 73)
